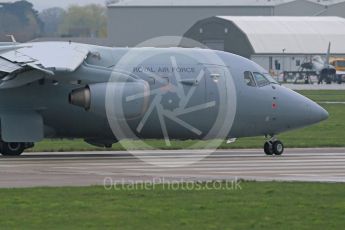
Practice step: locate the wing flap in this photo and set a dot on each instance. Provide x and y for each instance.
(46, 58)
(8, 67)
(57, 56)
(16, 56)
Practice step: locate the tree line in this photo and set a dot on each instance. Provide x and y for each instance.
(25, 23)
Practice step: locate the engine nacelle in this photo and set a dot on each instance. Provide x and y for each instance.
(124, 100)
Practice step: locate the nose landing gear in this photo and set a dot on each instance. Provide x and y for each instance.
(274, 147)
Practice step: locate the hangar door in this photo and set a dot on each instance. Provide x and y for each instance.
(215, 44)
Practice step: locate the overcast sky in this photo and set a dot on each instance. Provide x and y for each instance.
(42, 4)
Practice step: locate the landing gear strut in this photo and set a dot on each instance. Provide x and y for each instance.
(274, 147)
(13, 148)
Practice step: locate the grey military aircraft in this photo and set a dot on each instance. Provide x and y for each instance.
(104, 95)
(325, 71)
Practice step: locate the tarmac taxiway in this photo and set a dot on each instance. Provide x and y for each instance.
(92, 168)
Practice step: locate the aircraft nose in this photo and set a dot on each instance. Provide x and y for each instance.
(317, 113)
(297, 111)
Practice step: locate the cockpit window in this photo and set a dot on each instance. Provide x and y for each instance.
(248, 78)
(261, 80)
(270, 78)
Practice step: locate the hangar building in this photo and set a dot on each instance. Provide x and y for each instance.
(134, 21)
(275, 43)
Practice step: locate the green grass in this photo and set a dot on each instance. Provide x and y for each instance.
(324, 95)
(330, 133)
(255, 206)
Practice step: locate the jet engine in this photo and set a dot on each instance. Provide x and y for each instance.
(127, 100)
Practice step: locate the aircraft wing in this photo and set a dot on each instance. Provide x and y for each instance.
(45, 58)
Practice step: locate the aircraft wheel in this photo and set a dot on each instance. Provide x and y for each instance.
(268, 149)
(12, 149)
(278, 148)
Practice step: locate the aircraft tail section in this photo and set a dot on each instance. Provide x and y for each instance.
(328, 55)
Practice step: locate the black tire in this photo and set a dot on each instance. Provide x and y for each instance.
(12, 149)
(278, 148)
(268, 149)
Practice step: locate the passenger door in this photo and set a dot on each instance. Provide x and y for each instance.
(220, 99)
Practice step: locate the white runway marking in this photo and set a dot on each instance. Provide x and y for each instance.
(90, 168)
(332, 102)
(315, 86)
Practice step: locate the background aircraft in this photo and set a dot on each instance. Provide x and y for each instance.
(325, 71)
(103, 95)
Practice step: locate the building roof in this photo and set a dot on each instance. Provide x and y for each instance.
(327, 2)
(294, 35)
(151, 3)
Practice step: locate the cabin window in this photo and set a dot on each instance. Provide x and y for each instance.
(261, 80)
(248, 79)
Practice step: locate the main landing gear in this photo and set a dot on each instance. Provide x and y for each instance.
(274, 147)
(13, 148)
